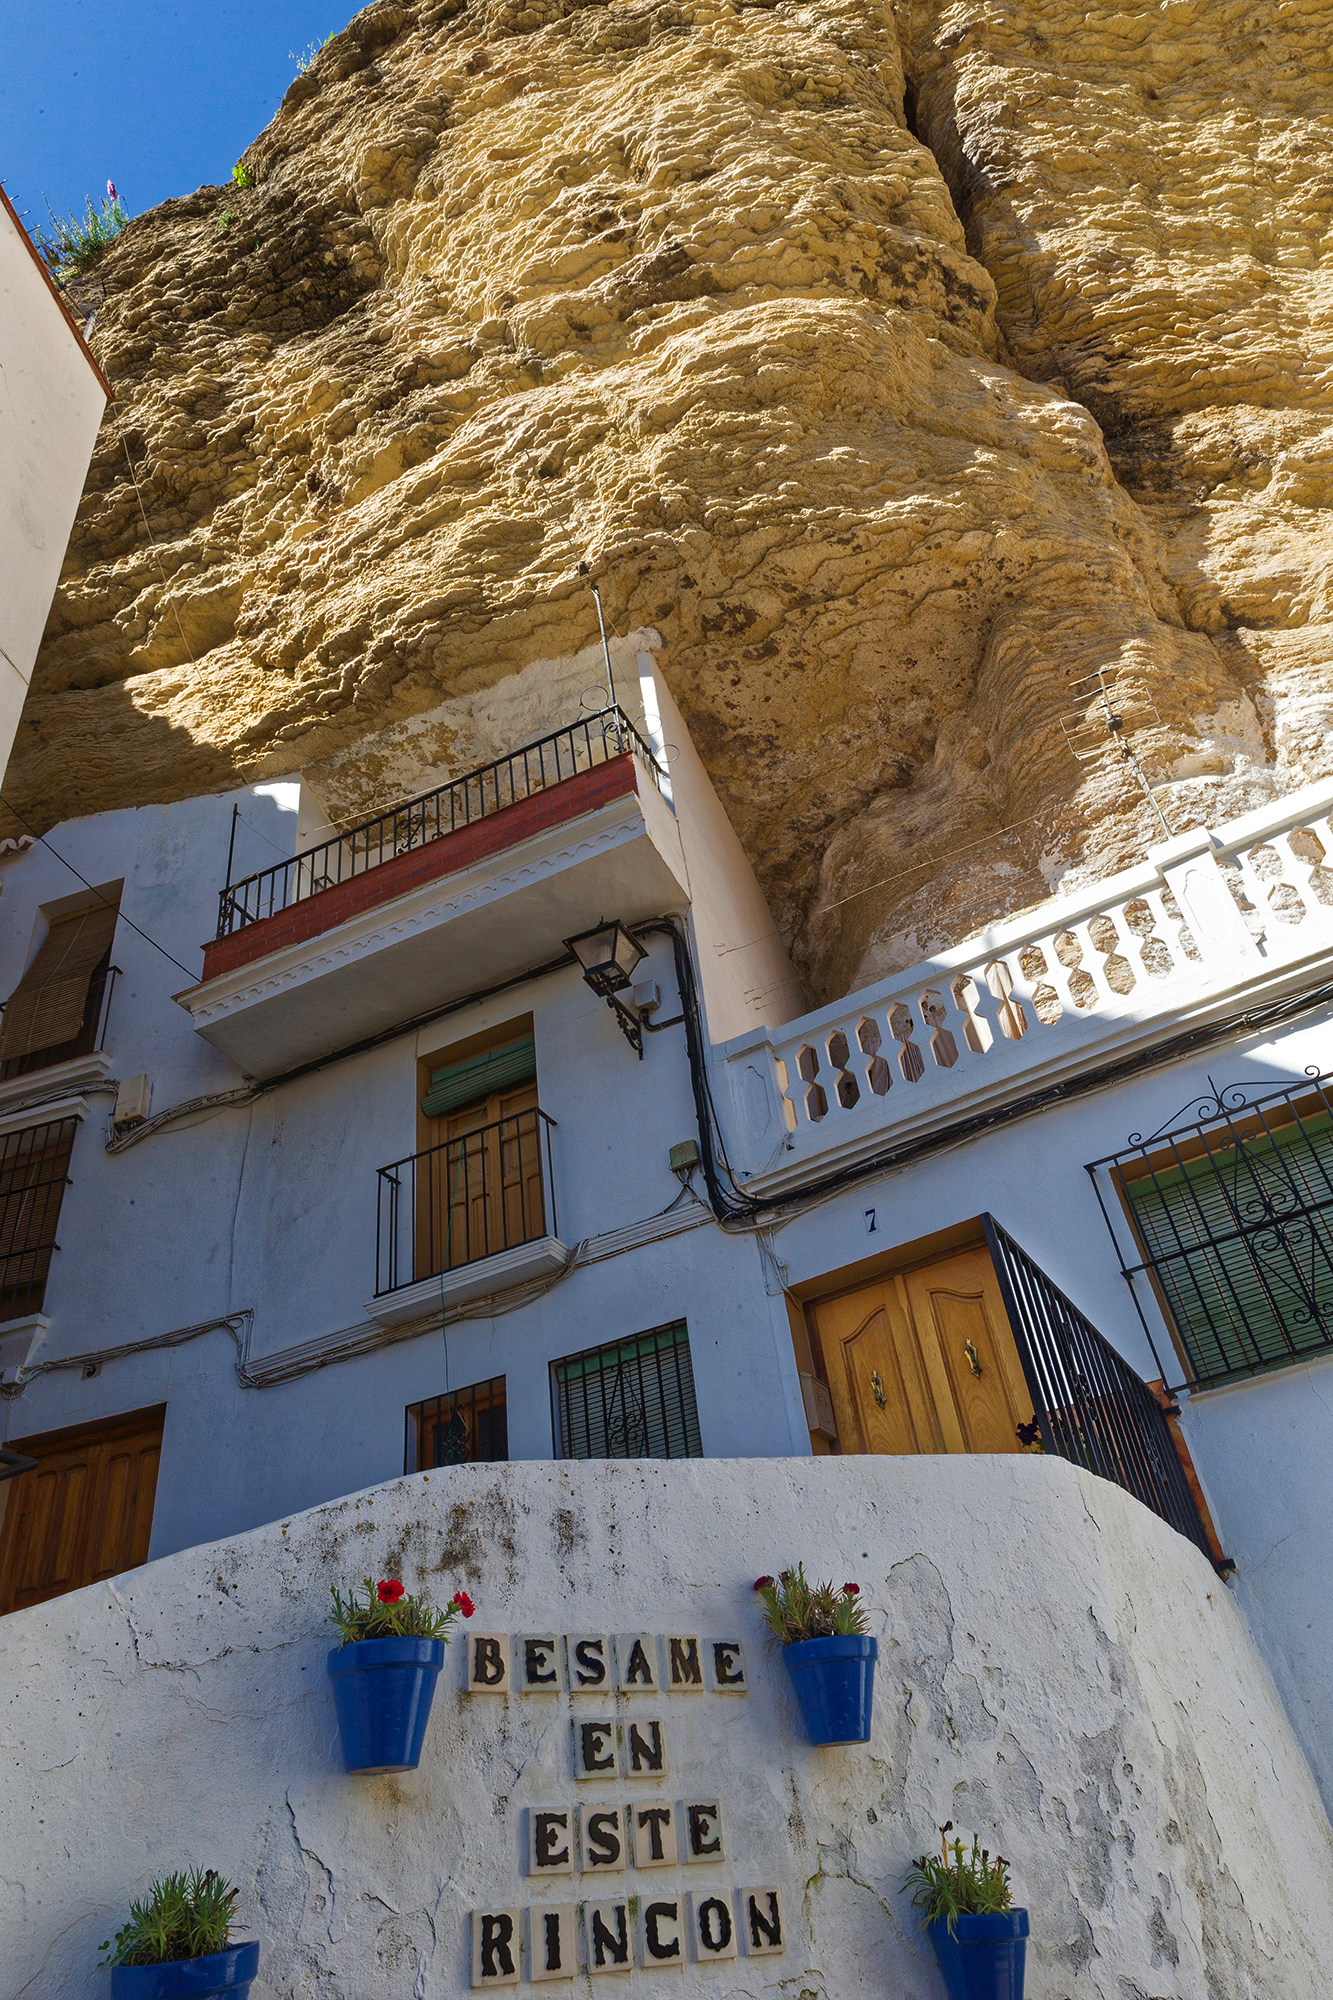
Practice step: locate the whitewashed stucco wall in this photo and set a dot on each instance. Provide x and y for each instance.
(1057, 1669)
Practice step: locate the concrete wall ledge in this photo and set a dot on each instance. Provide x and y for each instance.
(1057, 1670)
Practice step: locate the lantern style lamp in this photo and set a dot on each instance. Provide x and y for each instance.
(608, 956)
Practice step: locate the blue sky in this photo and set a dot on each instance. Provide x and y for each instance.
(159, 98)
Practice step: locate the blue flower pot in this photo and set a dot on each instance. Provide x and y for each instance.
(835, 1685)
(985, 1959)
(223, 1972)
(383, 1689)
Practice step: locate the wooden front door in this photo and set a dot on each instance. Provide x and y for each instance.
(84, 1513)
(924, 1360)
(481, 1189)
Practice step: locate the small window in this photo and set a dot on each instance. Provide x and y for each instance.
(629, 1399)
(468, 1427)
(56, 1011)
(34, 1172)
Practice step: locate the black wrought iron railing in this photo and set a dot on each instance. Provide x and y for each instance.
(1230, 1219)
(628, 1399)
(1090, 1406)
(487, 1190)
(551, 760)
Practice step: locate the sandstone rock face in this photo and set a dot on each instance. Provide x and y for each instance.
(903, 367)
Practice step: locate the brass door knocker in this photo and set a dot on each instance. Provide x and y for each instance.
(973, 1358)
(877, 1385)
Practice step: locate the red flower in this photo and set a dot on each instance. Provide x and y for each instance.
(763, 1582)
(851, 1590)
(462, 1602)
(390, 1590)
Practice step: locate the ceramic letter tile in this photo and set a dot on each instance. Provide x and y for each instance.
(553, 1941)
(606, 1936)
(643, 1753)
(594, 1747)
(761, 1911)
(712, 1925)
(550, 1840)
(654, 1835)
(495, 1947)
(539, 1664)
(589, 1663)
(636, 1663)
(685, 1673)
(701, 1827)
(728, 1662)
(488, 1662)
(601, 1838)
(661, 1933)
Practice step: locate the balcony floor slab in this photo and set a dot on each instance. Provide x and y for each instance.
(500, 1273)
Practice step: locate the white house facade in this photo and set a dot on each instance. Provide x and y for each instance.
(325, 1159)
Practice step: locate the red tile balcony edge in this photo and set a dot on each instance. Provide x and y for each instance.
(316, 914)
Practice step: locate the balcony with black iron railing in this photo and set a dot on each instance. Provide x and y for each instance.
(472, 1215)
(460, 887)
(478, 795)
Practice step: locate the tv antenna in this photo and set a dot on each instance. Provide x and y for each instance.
(1100, 706)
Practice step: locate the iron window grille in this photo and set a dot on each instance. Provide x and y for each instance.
(629, 1399)
(1229, 1220)
(467, 1427)
(489, 1189)
(1088, 1404)
(534, 768)
(34, 1173)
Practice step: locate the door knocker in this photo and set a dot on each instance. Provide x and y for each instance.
(877, 1385)
(973, 1358)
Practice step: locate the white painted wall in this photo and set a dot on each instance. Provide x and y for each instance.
(1057, 1671)
(747, 977)
(49, 416)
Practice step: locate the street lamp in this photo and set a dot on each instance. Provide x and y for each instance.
(608, 956)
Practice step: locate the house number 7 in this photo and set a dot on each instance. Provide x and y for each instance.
(870, 1222)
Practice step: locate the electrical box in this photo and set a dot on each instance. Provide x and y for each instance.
(647, 996)
(683, 1156)
(132, 1102)
(819, 1418)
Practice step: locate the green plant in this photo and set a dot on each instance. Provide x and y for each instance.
(959, 1884)
(242, 175)
(182, 1916)
(226, 218)
(797, 1609)
(308, 54)
(75, 242)
(389, 1613)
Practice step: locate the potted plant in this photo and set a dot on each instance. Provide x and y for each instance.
(178, 1942)
(980, 1939)
(828, 1652)
(384, 1672)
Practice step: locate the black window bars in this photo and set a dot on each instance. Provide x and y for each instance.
(1228, 1217)
(1089, 1404)
(34, 1173)
(629, 1399)
(535, 767)
(465, 1427)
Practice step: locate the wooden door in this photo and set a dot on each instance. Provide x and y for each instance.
(924, 1361)
(84, 1513)
(482, 1187)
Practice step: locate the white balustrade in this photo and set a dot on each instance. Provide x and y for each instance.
(1037, 999)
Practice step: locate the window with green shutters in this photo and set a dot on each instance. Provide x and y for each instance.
(1234, 1217)
(630, 1399)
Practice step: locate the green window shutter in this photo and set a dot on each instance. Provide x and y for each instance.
(497, 1069)
(1242, 1247)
